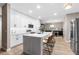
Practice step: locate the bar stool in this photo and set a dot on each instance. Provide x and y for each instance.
(49, 45)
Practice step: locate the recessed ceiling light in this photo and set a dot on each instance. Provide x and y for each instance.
(55, 14)
(39, 17)
(67, 5)
(38, 6)
(30, 11)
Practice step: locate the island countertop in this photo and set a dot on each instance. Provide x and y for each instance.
(38, 34)
(33, 42)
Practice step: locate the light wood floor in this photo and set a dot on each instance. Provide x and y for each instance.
(61, 48)
(14, 51)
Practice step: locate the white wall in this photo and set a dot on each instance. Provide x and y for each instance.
(0, 26)
(0, 31)
(0, 11)
(52, 20)
(21, 20)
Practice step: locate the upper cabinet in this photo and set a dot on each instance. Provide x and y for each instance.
(21, 21)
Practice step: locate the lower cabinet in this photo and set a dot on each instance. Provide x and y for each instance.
(16, 40)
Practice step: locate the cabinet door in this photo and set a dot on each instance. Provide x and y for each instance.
(27, 45)
(16, 39)
(20, 39)
(13, 41)
(36, 45)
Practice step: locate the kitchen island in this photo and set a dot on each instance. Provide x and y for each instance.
(33, 43)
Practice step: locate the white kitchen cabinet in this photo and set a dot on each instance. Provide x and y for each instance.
(12, 41)
(16, 40)
(19, 24)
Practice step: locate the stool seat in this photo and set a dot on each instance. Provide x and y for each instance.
(45, 41)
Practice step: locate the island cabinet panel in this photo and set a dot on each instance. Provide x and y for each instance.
(32, 45)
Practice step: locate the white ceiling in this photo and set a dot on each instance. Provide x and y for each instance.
(46, 10)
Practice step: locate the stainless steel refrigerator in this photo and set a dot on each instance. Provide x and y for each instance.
(74, 44)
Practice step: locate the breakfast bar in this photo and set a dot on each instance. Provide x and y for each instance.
(33, 42)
